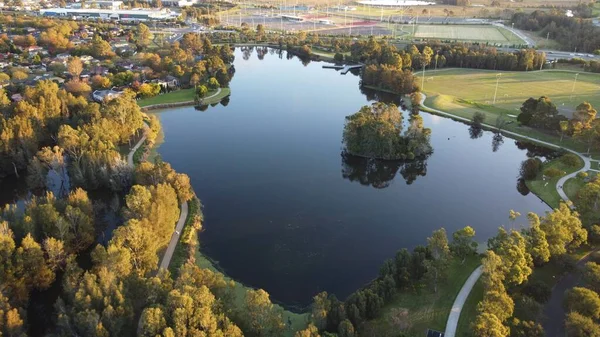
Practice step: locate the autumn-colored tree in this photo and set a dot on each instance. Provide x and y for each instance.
(75, 67)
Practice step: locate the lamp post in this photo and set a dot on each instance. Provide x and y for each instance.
(574, 82)
(496, 91)
(423, 78)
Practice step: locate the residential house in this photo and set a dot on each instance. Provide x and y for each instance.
(105, 95)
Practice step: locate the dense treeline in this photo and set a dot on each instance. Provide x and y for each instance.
(571, 33)
(462, 55)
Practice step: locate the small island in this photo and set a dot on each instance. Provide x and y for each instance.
(375, 132)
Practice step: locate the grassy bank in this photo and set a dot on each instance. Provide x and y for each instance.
(182, 95)
(545, 189)
(216, 98)
(424, 308)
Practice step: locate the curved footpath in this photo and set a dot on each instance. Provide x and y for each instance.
(166, 260)
(459, 302)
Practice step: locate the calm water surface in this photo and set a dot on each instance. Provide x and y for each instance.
(284, 210)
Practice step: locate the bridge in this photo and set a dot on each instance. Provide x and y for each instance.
(344, 69)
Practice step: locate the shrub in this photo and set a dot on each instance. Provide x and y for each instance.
(570, 159)
(338, 57)
(567, 263)
(553, 172)
(537, 290)
(582, 175)
(530, 168)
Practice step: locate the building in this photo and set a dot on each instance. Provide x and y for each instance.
(105, 95)
(109, 14)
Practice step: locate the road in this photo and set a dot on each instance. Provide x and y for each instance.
(554, 312)
(460, 300)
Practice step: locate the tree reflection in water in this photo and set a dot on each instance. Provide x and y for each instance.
(381, 173)
(497, 140)
(522, 187)
(534, 150)
(475, 132)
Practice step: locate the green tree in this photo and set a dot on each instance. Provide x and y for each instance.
(563, 229)
(530, 168)
(526, 329)
(512, 249)
(213, 84)
(488, 325)
(310, 331)
(583, 301)
(581, 326)
(263, 318)
(320, 308)
(497, 303)
(537, 245)
(346, 329)
(462, 243)
(440, 251)
(143, 36)
(584, 114)
(591, 275)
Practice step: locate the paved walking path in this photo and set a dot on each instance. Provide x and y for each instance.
(166, 260)
(460, 300)
(137, 146)
(468, 286)
(164, 264)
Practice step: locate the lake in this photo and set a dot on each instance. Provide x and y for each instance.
(286, 212)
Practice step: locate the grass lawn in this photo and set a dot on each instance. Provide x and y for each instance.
(572, 186)
(462, 92)
(545, 189)
(216, 98)
(426, 309)
(182, 95)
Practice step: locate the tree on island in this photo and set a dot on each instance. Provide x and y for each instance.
(375, 132)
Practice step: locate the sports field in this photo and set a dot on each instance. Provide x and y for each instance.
(471, 87)
(484, 33)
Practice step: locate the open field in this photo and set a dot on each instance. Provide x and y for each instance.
(476, 87)
(424, 308)
(485, 33)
